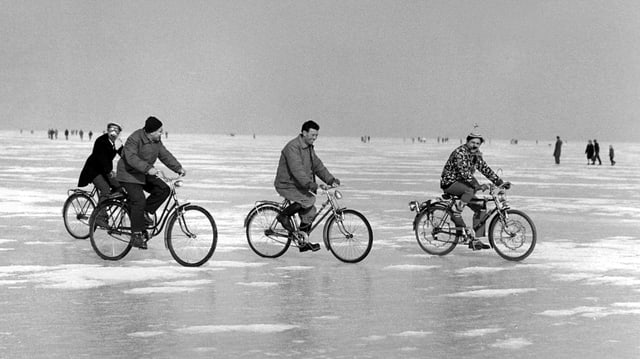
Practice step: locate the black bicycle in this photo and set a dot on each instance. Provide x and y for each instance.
(77, 210)
(347, 233)
(511, 232)
(191, 234)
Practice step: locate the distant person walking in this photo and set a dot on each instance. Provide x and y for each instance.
(596, 153)
(589, 152)
(611, 155)
(558, 150)
(81, 134)
(66, 134)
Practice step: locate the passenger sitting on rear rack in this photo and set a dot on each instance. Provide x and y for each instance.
(457, 179)
(99, 166)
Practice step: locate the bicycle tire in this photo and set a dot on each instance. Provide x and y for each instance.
(265, 234)
(517, 239)
(113, 241)
(354, 245)
(195, 237)
(76, 212)
(434, 231)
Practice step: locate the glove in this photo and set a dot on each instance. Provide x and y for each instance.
(335, 182)
(313, 187)
(506, 185)
(183, 172)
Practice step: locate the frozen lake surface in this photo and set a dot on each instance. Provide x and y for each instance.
(576, 296)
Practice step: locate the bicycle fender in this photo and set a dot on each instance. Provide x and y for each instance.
(325, 230)
(429, 205)
(259, 205)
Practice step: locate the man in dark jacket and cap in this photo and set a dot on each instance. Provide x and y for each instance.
(98, 169)
(296, 180)
(137, 175)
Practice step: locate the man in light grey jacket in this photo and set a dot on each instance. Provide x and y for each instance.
(296, 179)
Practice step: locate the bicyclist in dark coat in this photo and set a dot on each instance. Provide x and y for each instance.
(458, 179)
(296, 178)
(99, 166)
(137, 175)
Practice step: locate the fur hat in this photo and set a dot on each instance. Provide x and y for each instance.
(152, 125)
(475, 135)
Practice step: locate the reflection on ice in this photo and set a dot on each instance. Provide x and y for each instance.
(249, 328)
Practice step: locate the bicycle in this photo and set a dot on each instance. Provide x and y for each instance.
(77, 210)
(346, 233)
(512, 233)
(191, 234)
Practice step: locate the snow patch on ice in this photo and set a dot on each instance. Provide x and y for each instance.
(235, 264)
(412, 334)
(569, 312)
(160, 290)
(511, 343)
(481, 270)
(295, 268)
(145, 334)
(409, 267)
(258, 284)
(327, 317)
(479, 332)
(491, 293)
(248, 328)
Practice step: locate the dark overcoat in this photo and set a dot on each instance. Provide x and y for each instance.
(100, 162)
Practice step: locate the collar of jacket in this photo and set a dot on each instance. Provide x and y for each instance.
(303, 144)
(145, 138)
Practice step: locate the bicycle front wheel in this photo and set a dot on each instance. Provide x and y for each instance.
(76, 212)
(192, 236)
(435, 231)
(265, 234)
(349, 236)
(514, 237)
(110, 230)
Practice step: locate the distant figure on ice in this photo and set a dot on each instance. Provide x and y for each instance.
(296, 177)
(81, 133)
(90, 135)
(589, 152)
(611, 155)
(558, 150)
(137, 175)
(66, 134)
(457, 179)
(596, 153)
(99, 166)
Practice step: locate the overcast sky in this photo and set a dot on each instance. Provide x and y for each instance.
(520, 69)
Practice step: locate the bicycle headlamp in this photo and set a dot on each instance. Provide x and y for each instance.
(338, 194)
(413, 205)
(178, 183)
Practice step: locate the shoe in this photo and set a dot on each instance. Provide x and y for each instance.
(148, 219)
(102, 220)
(305, 227)
(285, 221)
(306, 246)
(137, 240)
(476, 245)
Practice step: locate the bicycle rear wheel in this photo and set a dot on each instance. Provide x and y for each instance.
(435, 231)
(515, 238)
(265, 234)
(192, 236)
(76, 212)
(111, 240)
(349, 236)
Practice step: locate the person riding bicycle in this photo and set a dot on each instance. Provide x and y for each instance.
(98, 169)
(457, 179)
(296, 180)
(137, 175)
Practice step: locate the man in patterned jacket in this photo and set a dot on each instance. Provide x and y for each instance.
(457, 179)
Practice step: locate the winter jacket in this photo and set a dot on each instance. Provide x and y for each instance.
(461, 166)
(100, 162)
(139, 155)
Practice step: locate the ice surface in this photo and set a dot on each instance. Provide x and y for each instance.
(576, 296)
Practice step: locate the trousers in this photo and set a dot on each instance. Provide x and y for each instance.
(138, 204)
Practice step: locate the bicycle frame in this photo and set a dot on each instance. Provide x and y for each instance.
(500, 208)
(328, 207)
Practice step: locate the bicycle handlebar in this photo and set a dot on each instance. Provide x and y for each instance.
(165, 178)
